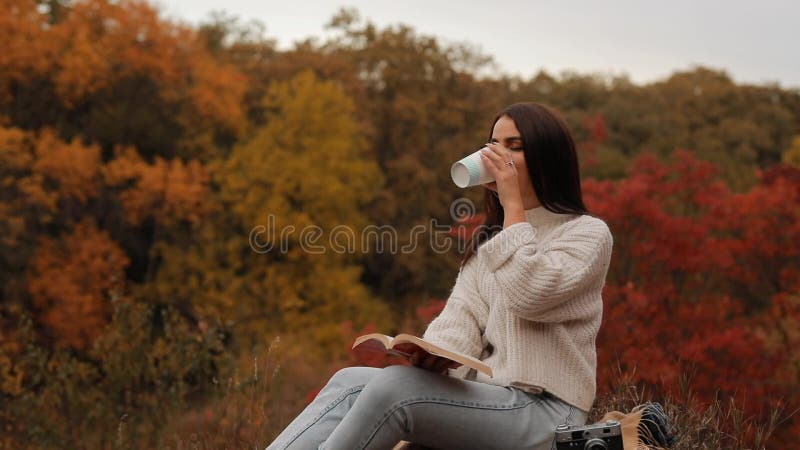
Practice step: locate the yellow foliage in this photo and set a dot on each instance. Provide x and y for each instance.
(307, 164)
(792, 155)
(304, 167)
(10, 377)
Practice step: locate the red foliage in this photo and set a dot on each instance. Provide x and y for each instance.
(358, 358)
(466, 226)
(596, 133)
(363, 358)
(786, 173)
(596, 126)
(703, 281)
(312, 394)
(424, 313)
(427, 312)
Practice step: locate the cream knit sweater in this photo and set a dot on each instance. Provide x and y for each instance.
(529, 304)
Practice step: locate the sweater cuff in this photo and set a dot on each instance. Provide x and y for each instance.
(503, 244)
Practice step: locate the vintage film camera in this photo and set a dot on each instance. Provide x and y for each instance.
(599, 436)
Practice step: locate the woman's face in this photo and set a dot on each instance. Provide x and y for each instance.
(505, 132)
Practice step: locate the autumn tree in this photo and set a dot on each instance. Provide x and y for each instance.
(70, 283)
(115, 73)
(252, 266)
(79, 341)
(407, 81)
(139, 158)
(694, 272)
(703, 110)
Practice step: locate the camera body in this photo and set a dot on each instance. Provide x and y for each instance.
(599, 436)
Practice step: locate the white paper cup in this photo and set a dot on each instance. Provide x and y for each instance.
(470, 171)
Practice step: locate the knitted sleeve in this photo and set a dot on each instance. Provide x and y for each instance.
(537, 280)
(459, 327)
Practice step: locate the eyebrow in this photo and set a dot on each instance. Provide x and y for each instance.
(511, 138)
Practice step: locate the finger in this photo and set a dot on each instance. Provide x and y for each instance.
(430, 362)
(490, 165)
(414, 359)
(433, 364)
(506, 167)
(504, 153)
(491, 158)
(496, 165)
(492, 152)
(499, 155)
(499, 148)
(441, 365)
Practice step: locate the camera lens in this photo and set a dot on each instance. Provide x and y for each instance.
(595, 444)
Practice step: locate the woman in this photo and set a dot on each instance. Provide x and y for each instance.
(527, 301)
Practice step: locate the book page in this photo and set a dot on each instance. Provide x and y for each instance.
(374, 342)
(403, 341)
(405, 345)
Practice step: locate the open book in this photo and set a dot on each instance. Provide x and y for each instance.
(406, 344)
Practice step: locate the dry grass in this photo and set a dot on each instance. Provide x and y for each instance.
(250, 413)
(252, 406)
(722, 424)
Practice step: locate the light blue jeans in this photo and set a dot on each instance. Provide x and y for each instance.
(369, 408)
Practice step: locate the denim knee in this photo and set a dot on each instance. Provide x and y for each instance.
(352, 376)
(387, 387)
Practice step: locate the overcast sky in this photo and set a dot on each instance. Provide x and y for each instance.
(754, 41)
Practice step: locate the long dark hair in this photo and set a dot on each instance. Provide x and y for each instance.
(552, 168)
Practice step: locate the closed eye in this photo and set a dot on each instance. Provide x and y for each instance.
(512, 143)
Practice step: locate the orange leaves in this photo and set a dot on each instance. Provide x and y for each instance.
(39, 173)
(47, 171)
(82, 65)
(104, 43)
(73, 167)
(49, 182)
(169, 191)
(99, 44)
(70, 280)
(24, 53)
(217, 92)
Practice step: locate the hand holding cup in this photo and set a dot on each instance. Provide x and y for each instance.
(491, 163)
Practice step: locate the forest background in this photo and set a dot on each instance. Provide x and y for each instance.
(139, 157)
